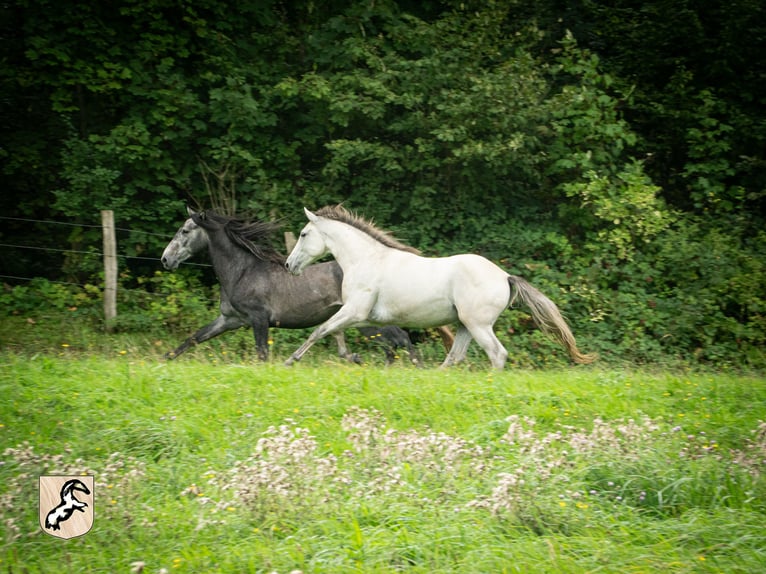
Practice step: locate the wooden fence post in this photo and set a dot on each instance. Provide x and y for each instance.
(290, 241)
(110, 268)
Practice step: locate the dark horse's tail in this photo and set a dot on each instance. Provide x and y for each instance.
(547, 316)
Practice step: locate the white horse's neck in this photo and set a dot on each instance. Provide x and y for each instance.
(349, 244)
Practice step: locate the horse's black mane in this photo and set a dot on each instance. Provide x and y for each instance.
(251, 234)
(340, 213)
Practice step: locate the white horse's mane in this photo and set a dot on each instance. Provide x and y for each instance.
(340, 213)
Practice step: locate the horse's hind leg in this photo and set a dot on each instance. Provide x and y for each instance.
(402, 339)
(260, 325)
(486, 338)
(448, 339)
(394, 338)
(411, 351)
(459, 347)
(343, 351)
(222, 324)
(414, 355)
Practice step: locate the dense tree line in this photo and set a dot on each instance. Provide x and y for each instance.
(611, 152)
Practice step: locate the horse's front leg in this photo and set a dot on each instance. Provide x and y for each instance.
(217, 327)
(344, 318)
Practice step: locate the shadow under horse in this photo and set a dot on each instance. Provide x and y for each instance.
(257, 291)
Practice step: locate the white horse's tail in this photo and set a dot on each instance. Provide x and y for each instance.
(547, 316)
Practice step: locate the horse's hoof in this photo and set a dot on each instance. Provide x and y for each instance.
(289, 362)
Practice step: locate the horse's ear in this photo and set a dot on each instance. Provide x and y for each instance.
(311, 216)
(190, 211)
(197, 216)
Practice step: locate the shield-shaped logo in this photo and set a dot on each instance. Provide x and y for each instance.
(66, 505)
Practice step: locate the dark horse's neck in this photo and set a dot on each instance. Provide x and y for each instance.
(230, 261)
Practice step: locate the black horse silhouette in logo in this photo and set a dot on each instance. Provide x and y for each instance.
(68, 504)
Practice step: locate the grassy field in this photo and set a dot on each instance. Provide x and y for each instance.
(209, 466)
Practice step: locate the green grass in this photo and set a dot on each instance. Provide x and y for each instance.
(212, 464)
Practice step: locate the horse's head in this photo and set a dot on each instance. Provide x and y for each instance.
(310, 247)
(188, 240)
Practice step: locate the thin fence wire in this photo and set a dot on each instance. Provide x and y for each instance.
(89, 253)
(48, 221)
(51, 249)
(84, 225)
(95, 253)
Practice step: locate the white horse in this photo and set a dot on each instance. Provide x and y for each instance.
(386, 282)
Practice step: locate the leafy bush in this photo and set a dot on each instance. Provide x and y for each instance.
(166, 301)
(41, 295)
(175, 301)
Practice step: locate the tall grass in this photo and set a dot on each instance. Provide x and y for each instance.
(326, 467)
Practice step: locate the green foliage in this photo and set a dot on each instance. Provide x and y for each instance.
(419, 113)
(91, 186)
(696, 94)
(713, 291)
(710, 168)
(577, 159)
(175, 302)
(44, 296)
(619, 208)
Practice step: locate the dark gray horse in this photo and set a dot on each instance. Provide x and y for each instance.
(256, 291)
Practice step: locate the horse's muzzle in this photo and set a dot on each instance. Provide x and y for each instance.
(292, 268)
(167, 263)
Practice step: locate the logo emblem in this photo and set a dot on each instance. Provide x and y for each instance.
(66, 505)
